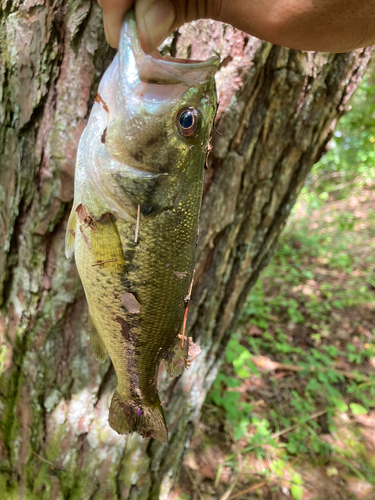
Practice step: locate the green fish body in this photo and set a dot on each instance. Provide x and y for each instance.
(133, 225)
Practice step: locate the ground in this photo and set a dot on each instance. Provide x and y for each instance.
(292, 411)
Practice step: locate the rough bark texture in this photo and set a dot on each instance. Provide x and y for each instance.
(278, 108)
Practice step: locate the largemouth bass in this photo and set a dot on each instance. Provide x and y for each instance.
(133, 225)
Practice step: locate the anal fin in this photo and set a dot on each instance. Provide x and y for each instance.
(100, 352)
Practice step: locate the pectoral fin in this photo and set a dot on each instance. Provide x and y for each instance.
(70, 233)
(100, 352)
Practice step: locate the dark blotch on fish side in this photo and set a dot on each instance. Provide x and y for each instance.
(102, 138)
(128, 411)
(125, 329)
(106, 218)
(152, 141)
(138, 155)
(147, 209)
(129, 257)
(130, 349)
(141, 192)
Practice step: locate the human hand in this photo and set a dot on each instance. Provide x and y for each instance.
(156, 19)
(325, 25)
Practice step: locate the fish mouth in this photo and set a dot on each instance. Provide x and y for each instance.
(164, 70)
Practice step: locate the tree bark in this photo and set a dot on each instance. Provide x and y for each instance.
(278, 108)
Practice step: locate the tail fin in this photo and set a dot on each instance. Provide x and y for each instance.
(127, 416)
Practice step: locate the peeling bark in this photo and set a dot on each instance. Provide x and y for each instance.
(278, 108)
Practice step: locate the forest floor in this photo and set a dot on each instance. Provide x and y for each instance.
(291, 414)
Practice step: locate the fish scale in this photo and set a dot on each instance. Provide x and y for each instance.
(140, 163)
(160, 257)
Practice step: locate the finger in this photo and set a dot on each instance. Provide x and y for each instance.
(155, 20)
(113, 15)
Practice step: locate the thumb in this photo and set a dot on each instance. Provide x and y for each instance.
(156, 19)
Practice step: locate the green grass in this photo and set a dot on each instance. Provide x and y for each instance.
(320, 281)
(316, 284)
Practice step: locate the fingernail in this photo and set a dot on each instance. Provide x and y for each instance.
(157, 23)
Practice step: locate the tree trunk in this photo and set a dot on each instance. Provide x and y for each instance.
(278, 108)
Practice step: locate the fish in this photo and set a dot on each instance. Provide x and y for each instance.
(134, 220)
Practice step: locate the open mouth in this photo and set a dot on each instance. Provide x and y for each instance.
(164, 70)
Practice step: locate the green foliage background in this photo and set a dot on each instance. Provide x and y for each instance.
(350, 160)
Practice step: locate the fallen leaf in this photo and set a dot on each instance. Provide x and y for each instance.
(366, 419)
(191, 460)
(361, 489)
(255, 331)
(264, 363)
(207, 471)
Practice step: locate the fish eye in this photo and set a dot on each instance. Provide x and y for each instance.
(187, 121)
